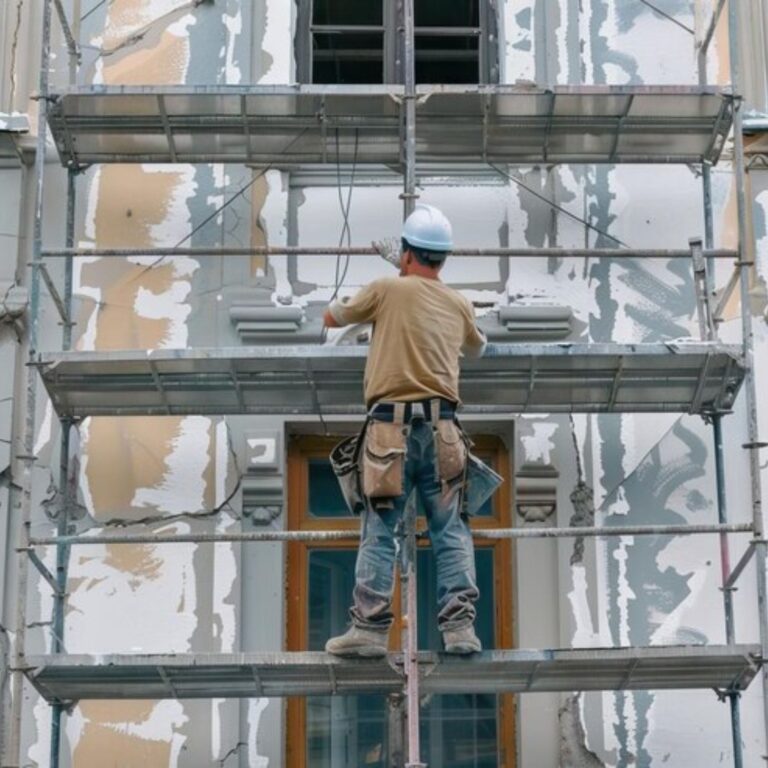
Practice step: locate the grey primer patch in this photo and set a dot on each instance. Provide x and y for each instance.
(573, 749)
(524, 19)
(630, 10)
(647, 492)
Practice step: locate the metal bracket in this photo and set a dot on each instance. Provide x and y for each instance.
(167, 680)
(72, 46)
(57, 300)
(742, 564)
(44, 572)
(725, 296)
(707, 329)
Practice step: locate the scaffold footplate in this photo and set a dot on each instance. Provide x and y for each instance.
(71, 678)
(533, 378)
(294, 125)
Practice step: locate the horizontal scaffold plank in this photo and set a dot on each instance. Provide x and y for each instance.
(182, 676)
(696, 377)
(290, 126)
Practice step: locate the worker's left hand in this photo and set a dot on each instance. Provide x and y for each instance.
(389, 250)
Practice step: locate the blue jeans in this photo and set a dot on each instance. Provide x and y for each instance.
(448, 532)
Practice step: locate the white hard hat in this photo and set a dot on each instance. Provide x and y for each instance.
(428, 228)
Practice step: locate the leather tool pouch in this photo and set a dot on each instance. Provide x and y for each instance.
(451, 450)
(345, 462)
(383, 460)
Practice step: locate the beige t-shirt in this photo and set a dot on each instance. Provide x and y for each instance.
(420, 328)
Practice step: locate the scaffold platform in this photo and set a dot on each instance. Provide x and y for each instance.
(63, 678)
(696, 377)
(288, 126)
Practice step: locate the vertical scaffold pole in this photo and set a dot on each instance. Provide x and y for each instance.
(62, 521)
(13, 756)
(408, 560)
(717, 438)
(753, 445)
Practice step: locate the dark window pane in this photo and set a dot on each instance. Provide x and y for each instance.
(447, 59)
(447, 13)
(325, 499)
(341, 730)
(347, 12)
(350, 731)
(460, 729)
(348, 58)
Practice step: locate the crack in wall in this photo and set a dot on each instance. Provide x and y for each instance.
(138, 36)
(574, 752)
(14, 47)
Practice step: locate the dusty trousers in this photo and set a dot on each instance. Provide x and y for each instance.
(449, 535)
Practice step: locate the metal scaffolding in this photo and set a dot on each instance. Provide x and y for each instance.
(392, 126)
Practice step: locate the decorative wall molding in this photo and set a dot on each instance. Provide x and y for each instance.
(254, 322)
(262, 482)
(536, 492)
(532, 322)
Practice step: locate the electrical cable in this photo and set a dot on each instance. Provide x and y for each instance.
(224, 205)
(557, 207)
(339, 280)
(668, 16)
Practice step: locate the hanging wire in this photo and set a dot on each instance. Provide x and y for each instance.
(224, 205)
(668, 16)
(554, 205)
(339, 279)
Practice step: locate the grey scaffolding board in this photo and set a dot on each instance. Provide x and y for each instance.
(293, 125)
(64, 679)
(693, 377)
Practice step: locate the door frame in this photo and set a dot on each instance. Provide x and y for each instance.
(302, 448)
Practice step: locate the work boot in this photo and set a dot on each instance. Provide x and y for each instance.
(356, 641)
(461, 641)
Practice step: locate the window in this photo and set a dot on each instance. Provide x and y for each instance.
(358, 41)
(341, 731)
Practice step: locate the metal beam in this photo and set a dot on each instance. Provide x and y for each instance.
(288, 250)
(281, 674)
(335, 535)
(710, 33)
(12, 756)
(734, 575)
(72, 47)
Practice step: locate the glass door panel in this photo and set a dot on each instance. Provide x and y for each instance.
(341, 730)
(457, 731)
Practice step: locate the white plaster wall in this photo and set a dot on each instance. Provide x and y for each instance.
(603, 600)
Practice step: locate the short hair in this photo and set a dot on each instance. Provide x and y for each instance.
(425, 257)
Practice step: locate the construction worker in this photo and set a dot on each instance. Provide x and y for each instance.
(412, 439)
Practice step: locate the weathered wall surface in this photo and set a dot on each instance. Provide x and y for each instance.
(180, 474)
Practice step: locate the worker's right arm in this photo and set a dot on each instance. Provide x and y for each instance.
(361, 308)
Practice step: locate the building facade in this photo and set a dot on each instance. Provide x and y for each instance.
(249, 473)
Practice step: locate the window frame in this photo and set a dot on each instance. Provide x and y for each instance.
(303, 448)
(487, 32)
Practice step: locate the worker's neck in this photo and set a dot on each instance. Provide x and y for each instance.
(419, 270)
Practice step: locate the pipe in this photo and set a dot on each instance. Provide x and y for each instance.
(62, 550)
(289, 250)
(748, 342)
(13, 755)
(336, 535)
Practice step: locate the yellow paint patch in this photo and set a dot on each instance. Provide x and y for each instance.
(161, 63)
(104, 744)
(259, 193)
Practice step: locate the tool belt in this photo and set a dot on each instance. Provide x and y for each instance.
(370, 466)
(422, 409)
